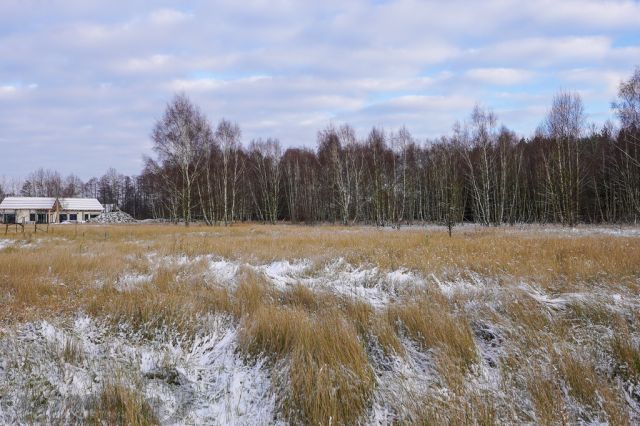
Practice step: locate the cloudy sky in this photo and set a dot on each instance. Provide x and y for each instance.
(82, 82)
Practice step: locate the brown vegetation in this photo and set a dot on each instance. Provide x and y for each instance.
(323, 347)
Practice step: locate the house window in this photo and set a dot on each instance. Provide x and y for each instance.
(32, 217)
(73, 216)
(42, 218)
(63, 217)
(86, 217)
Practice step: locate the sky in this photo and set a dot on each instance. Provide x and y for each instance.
(82, 82)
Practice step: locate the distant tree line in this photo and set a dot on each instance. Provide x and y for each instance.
(565, 173)
(112, 188)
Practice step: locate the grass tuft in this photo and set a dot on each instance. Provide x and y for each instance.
(429, 323)
(124, 405)
(329, 379)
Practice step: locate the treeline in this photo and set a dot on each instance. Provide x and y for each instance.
(481, 173)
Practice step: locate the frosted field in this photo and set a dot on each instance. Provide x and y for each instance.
(284, 324)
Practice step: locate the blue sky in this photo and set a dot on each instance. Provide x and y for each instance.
(82, 82)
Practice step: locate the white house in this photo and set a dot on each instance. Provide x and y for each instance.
(48, 209)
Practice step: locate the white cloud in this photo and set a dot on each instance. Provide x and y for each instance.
(544, 51)
(168, 16)
(285, 68)
(8, 89)
(432, 102)
(500, 76)
(606, 80)
(152, 63)
(592, 13)
(212, 84)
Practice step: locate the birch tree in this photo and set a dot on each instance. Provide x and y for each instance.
(627, 108)
(228, 136)
(179, 139)
(265, 158)
(563, 125)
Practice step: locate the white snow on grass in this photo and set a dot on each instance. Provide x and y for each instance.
(19, 244)
(4, 243)
(471, 284)
(284, 273)
(223, 270)
(577, 231)
(26, 243)
(403, 384)
(366, 283)
(131, 281)
(537, 294)
(55, 373)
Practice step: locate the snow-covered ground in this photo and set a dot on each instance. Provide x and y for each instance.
(55, 371)
(367, 284)
(5, 243)
(19, 244)
(577, 231)
(207, 381)
(550, 229)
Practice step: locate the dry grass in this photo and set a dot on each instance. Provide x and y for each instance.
(626, 353)
(430, 324)
(322, 345)
(547, 258)
(321, 338)
(547, 399)
(72, 351)
(581, 379)
(329, 377)
(122, 404)
(372, 327)
(251, 294)
(592, 390)
(460, 410)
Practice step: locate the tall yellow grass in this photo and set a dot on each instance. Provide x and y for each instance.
(319, 343)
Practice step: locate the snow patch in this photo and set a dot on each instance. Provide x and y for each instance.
(223, 270)
(204, 381)
(368, 284)
(403, 384)
(284, 273)
(21, 244)
(132, 281)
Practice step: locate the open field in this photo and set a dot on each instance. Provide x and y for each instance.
(256, 324)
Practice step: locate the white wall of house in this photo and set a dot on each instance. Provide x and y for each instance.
(80, 215)
(24, 215)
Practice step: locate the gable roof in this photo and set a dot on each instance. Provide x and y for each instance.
(12, 203)
(48, 203)
(80, 204)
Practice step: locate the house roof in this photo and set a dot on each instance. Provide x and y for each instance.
(12, 203)
(47, 203)
(80, 204)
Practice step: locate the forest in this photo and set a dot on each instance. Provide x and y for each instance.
(567, 172)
